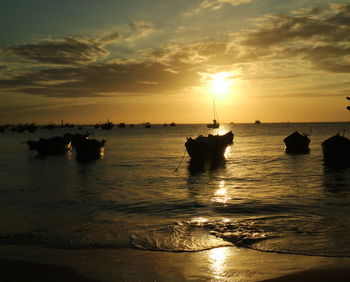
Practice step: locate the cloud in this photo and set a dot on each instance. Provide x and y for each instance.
(218, 4)
(64, 51)
(100, 80)
(317, 36)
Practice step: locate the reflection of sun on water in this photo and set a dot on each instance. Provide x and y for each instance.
(221, 194)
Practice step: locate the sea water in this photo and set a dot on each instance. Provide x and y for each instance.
(143, 195)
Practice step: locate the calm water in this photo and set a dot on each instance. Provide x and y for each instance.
(261, 198)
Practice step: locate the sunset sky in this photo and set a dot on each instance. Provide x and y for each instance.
(163, 60)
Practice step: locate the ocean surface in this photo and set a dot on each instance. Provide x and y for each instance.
(143, 195)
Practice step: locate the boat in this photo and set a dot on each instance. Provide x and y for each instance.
(172, 124)
(107, 125)
(215, 123)
(122, 125)
(77, 137)
(51, 146)
(90, 149)
(257, 122)
(297, 143)
(209, 149)
(336, 150)
(148, 125)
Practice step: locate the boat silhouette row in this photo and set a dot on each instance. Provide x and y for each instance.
(208, 151)
(86, 149)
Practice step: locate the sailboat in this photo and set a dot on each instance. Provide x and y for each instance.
(215, 123)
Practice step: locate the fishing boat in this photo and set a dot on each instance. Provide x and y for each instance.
(336, 150)
(51, 146)
(148, 125)
(208, 149)
(90, 149)
(77, 137)
(297, 143)
(107, 125)
(215, 123)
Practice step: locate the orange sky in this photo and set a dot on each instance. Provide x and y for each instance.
(161, 61)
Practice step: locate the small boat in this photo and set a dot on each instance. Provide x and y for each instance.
(90, 149)
(215, 124)
(51, 146)
(122, 125)
(172, 124)
(297, 143)
(210, 149)
(257, 122)
(336, 150)
(76, 138)
(148, 125)
(108, 125)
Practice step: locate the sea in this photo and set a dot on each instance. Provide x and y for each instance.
(143, 194)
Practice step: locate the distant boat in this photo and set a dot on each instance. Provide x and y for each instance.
(51, 146)
(122, 125)
(257, 122)
(215, 123)
(336, 150)
(172, 124)
(108, 125)
(297, 143)
(148, 125)
(90, 149)
(208, 149)
(165, 124)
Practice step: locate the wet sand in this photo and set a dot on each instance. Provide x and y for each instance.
(221, 264)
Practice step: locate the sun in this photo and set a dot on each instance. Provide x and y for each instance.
(221, 83)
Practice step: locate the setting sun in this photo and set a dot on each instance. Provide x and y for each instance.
(221, 83)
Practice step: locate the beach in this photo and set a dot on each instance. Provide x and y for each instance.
(221, 264)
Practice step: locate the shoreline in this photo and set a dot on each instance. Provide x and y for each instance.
(28, 263)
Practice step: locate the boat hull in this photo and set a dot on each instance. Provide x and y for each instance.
(210, 149)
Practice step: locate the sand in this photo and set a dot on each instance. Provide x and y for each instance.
(223, 264)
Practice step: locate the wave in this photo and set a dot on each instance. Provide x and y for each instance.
(190, 236)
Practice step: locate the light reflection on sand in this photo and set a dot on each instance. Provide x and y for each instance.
(218, 261)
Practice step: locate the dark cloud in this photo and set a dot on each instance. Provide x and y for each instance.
(315, 36)
(280, 28)
(104, 79)
(66, 51)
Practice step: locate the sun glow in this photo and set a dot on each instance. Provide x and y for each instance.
(221, 83)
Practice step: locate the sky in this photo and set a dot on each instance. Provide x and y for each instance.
(84, 61)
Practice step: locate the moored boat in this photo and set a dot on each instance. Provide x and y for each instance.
(90, 149)
(297, 143)
(208, 149)
(336, 150)
(51, 146)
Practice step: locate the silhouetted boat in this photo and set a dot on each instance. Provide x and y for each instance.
(148, 125)
(208, 149)
(336, 150)
(51, 146)
(215, 123)
(108, 125)
(172, 124)
(257, 122)
(122, 125)
(297, 143)
(90, 149)
(76, 138)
